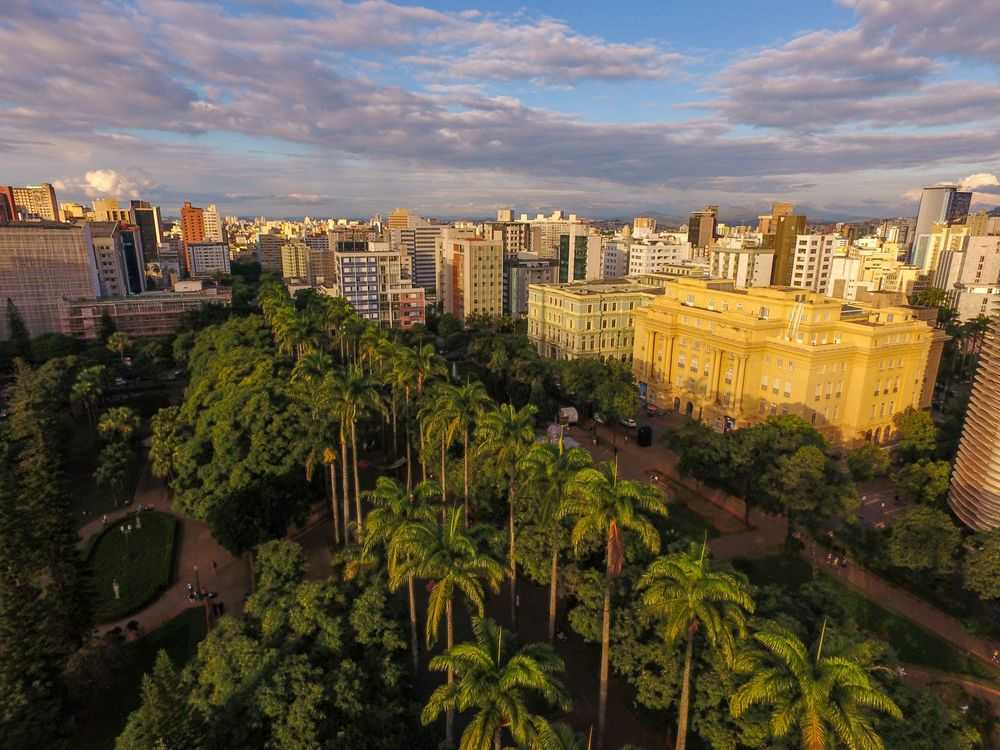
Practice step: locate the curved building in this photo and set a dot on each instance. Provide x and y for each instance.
(975, 482)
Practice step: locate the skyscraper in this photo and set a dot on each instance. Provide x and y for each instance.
(701, 226)
(975, 481)
(786, 228)
(37, 200)
(147, 218)
(211, 225)
(505, 214)
(192, 229)
(941, 203)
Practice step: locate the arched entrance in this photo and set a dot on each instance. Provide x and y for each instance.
(677, 406)
(689, 409)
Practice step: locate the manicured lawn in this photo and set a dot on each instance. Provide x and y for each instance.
(911, 642)
(142, 563)
(179, 638)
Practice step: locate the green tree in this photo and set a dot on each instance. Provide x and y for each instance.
(504, 436)
(825, 700)
(924, 539)
(114, 464)
(88, 389)
(163, 721)
(688, 596)
(923, 481)
(981, 570)
(167, 437)
(449, 556)
(916, 435)
(604, 507)
(119, 342)
(868, 461)
(807, 484)
(499, 682)
(106, 328)
(17, 331)
(118, 424)
(460, 407)
(551, 472)
(394, 510)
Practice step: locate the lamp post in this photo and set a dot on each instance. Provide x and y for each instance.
(126, 531)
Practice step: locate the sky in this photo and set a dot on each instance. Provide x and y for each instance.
(453, 108)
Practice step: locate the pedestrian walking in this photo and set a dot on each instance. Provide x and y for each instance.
(215, 566)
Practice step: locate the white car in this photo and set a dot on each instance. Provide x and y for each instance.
(629, 422)
(599, 418)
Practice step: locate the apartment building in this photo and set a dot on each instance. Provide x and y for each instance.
(207, 259)
(295, 255)
(147, 314)
(579, 254)
(41, 262)
(970, 276)
(586, 319)
(371, 278)
(521, 272)
(654, 254)
(269, 251)
(470, 275)
(732, 357)
(744, 266)
(36, 201)
(812, 260)
(117, 248)
(943, 238)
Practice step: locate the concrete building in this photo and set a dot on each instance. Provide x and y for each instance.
(470, 275)
(8, 210)
(941, 204)
(269, 251)
(521, 272)
(147, 314)
(117, 248)
(207, 259)
(586, 319)
(975, 480)
(41, 262)
(515, 236)
(643, 226)
(812, 258)
(944, 237)
(614, 257)
(787, 228)
(702, 226)
(505, 215)
(38, 201)
(192, 229)
(401, 218)
(107, 209)
(212, 226)
(295, 257)
(655, 254)
(371, 279)
(744, 266)
(147, 217)
(579, 254)
(734, 357)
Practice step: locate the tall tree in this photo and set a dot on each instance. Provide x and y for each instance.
(17, 331)
(119, 343)
(688, 596)
(394, 509)
(504, 436)
(460, 407)
(448, 555)
(551, 472)
(825, 700)
(499, 682)
(88, 390)
(603, 506)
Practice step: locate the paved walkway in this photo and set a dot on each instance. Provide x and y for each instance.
(923, 677)
(230, 578)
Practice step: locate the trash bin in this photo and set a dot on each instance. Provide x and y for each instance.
(644, 436)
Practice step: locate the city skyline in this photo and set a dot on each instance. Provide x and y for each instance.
(349, 109)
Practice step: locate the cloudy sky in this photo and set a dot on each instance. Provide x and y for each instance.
(322, 107)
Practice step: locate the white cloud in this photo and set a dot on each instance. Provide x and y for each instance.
(105, 183)
(982, 179)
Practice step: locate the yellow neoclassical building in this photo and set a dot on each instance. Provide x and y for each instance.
(732, 357)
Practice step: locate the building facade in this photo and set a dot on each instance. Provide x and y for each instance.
(37, 201)
(470, 276)
(372, 280)
(586, 319)
(208, 259)
(734, 357)
(117, 248)
(147, 217)
(521, 272)
(975, 480)
(295, 257)
(744, 266)
(39, 264)
(812, 260)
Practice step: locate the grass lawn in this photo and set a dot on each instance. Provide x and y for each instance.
(142, 563)
(89, 501)
(179, 638)
(910, 641)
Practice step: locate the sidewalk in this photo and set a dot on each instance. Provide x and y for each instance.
(231, 578)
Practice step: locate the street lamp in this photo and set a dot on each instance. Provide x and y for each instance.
(126, 530)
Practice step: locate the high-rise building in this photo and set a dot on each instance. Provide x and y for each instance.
(812, 260)
(401, 218)
(505, 214)
(521, 272)
(643, 226)
(744, 266)
(701, 226)
(41, 263)
(942, 238)
(37, 201)
(69, 211)
(654, 255)
(212, 226)
(117, 246)
(208, 259)
(515, 236)
(295, 260)
(975, 480)
(370, 276)
(732, 358)
(147, 218)
(192, 229)
(269, 251)
(107, 209)
(940, 204)
(787, 228)
(586, 319)
(579, 254)
(470, 276)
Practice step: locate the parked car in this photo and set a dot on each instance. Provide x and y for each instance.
(652, 410)
(599, 418)
(629, 422)
(568, 415)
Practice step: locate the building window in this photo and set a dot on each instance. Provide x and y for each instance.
(763, 382)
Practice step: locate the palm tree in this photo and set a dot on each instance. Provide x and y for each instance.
(118, 422)
(436, 422)
(332, 314)
(354, 396)
(295, 332)
(88, 388)
(824, 699)
(447, 554)
(498, 682)
(459, 407)
(272, 297)
(504, 435)
(309, 372)
(370, 346)
(551, 471)
(687, 595)
(604, 506)
(426, 365)
(404, 376)
(394, 509)
(119, 342)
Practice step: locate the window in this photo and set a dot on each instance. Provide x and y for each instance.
(819, 392)
(763, 382)
(765, 313)
(788, 389)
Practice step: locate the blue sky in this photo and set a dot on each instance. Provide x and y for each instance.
(324, 107)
